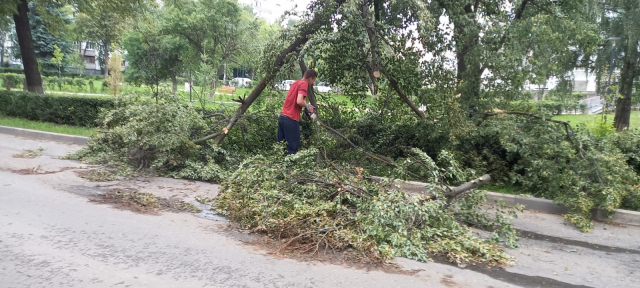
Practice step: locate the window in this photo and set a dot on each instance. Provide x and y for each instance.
(89, 59)
(89, 45)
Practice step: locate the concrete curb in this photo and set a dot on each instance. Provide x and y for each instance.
(531, 203)
(78, 140)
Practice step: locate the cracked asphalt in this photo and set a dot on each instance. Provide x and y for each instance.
(52, 235)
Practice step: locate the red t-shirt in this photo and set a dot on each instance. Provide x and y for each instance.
(291, 108)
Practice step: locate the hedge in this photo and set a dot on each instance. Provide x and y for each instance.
(70, 110)
(552, 107)
(53, 74)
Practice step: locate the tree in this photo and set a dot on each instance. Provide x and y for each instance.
(57, 58)
(104, 27)
(20, 9)
(115, 78)
(5, 29)
(621, 18)
(154, 56)
(213, 29)
(25, 42)
(45, 39)
(76, 62)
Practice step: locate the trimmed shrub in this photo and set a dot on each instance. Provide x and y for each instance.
(11, 80)
(70, 110)
(80, 83)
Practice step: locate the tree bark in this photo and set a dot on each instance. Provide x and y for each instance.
(27, 51)
(311, 94)
(627, 74)
(373, 40)
(305, 33)
(2, 49)
(174, 81)
(106, 58)
(456, 191)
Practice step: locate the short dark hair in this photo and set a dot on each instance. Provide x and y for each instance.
(310, 73)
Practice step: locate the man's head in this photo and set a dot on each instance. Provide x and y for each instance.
(310, 76)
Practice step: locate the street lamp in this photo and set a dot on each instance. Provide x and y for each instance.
(613, 52)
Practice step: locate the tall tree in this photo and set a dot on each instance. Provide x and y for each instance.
(212, 28)
(19, 9)
(153, 56)
(45, 38)
(104, 27)
(498, 45)
(621, 18)
(27, 50)
(5, 30)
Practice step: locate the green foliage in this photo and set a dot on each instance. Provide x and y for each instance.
(546, 107)
(547, 160)
(57, 58)
(138, 138)
(10, 80)
(153, 56)
(71, 110)
(313, 206)
(80, 83)
(47, 34)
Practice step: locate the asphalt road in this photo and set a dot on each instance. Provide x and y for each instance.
(52, 235)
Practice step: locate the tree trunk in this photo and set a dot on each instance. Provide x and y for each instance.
(2, 49)
(302, 39)
(174, 81)
(627, 74)
(311, 94)
(27, 51)
(106, 58)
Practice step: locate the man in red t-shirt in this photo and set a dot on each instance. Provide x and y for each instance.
(289, 121)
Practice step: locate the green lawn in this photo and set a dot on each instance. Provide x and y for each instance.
(504, 189)
(589, 120)
(48, 127)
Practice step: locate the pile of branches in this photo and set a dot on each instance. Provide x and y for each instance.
(316, 207)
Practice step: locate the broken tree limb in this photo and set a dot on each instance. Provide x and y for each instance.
(473, 184)
(320, 18)
(375, 56)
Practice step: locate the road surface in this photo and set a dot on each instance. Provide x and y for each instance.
(52, 235)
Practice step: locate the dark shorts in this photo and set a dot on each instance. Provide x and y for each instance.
(289, 131)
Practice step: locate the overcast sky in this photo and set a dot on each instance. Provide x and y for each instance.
(270, 10)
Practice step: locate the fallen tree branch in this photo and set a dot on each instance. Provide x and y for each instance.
(473, 184)
(375, 55)
(371, 155)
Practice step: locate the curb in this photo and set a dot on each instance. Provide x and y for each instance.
(531, 203)
(78, 140)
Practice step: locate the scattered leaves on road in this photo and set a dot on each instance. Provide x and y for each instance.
(143, 203)
(96, 175)
(29, 154)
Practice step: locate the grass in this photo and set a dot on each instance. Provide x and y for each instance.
(47, 127)
(504, 189)
(590, 120)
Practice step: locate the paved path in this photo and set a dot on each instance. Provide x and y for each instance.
(51, 235)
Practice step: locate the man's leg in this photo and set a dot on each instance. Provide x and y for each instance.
(291, 133)
(281, 129)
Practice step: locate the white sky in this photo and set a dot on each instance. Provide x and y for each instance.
(270, 10)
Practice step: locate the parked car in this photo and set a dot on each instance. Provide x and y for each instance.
(323, 87)
(285, 85)
(240, 82)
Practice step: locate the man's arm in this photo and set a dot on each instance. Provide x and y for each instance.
(300, 101)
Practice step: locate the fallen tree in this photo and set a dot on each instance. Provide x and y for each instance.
(316, 207)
